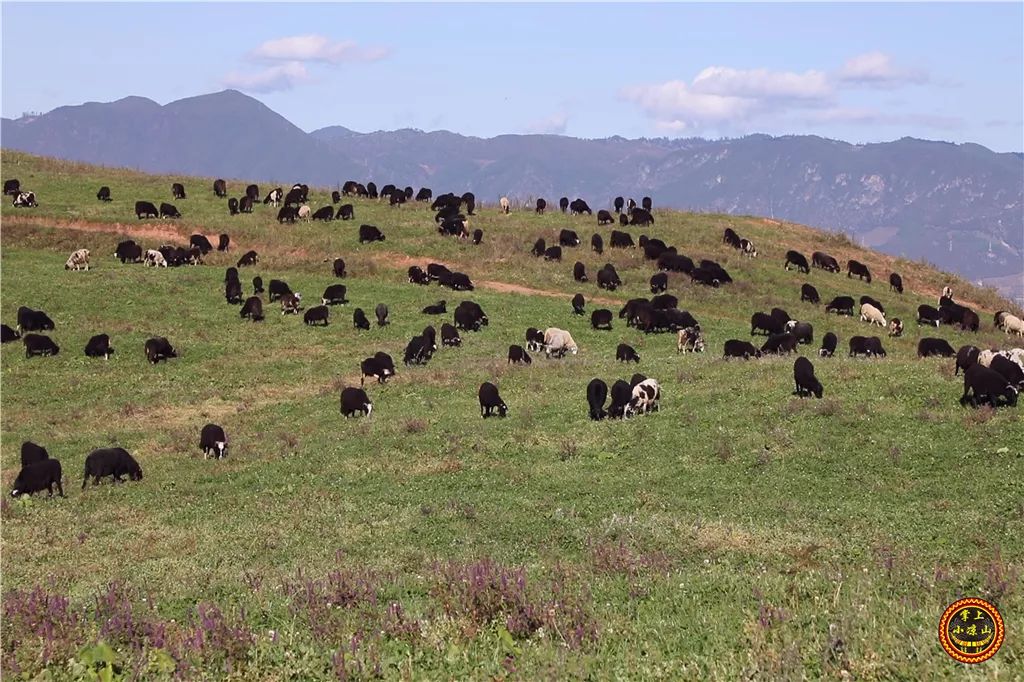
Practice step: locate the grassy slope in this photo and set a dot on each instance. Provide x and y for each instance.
(875, 507)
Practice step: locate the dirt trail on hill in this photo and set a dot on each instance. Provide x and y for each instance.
(158, 232)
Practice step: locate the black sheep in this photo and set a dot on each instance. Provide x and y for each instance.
(828, 345)
(982, 383)
(8, 335)
(659, 282)
(597, 244)
(159, 348)
(810, 294)
(32, 453)
(252, 308)
(334, 294)
(450, 335)
(491, 401)
(928, 347)
(339, 267)
(965, 357)
(316, 315)
(578, 304)
(438, 308)
(601, 319)
(622, 393)
(798, 260)
(355, 400)
(38, 344)
(372, 367)
(381, 313)
(579, 272)
(114, 462)
(212, 441)
(806, 383)
(1009, 370)
(518, 355)
(779, 344)
(359, 320)
(99, 347)
(38, 476)
(735, 348)
(597, 393)
(626, 353)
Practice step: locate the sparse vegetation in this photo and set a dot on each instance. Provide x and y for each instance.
(739, 532)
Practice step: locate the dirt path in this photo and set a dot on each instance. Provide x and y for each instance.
(159, 232)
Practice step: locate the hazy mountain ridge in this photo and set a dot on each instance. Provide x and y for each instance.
(960, 206)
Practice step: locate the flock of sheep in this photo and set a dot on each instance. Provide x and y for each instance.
(991, 376)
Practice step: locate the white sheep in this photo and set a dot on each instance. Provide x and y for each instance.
(869, 313)
(985, 357)
(155, 259)
(504, 205)
(78, 260)
(304, 212)
(1013, 324)
(558, 341)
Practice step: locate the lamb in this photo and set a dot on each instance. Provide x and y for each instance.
(38, 476)
(626, 353)
(689, 339)
(872, 315)
(597, 393)
(290, 304)
(113, 462)
(806, 383)
(828, 345)
(439, 308)
(557, 342)
(895, 327)
(212, 441)
(491, 401)
(534, 339)
(517, 355)
(982, 383)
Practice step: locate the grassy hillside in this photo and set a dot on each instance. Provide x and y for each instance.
(740, 531)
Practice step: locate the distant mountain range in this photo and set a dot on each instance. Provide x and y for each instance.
(959, 206)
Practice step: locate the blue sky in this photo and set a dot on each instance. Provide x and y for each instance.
(857, 72)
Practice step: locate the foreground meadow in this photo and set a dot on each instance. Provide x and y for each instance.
(739, 532)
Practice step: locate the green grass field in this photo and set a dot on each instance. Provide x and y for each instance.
(738, 533)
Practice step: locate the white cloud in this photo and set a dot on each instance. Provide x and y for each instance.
(272, 79)
(875, 69)
(317, 48)
(762, 83)
(552, 125)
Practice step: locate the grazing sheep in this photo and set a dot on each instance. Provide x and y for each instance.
(601, 319)
(806, 383)
(38, 476)
(159, 348)
(553, 253)
(248, 258)
(825, 262)
(339, 267)
(233, 292)
(803, 331)
(469, 316)
(154, 259)
(505, 205)
(376, 367)
(1013, 325)
(539, 247)
(478, 236)
(418, 276)
(810, 294)
(568, 238)
(997, 319)
(765, 323)
(578, 304)
(872, 315)
(355, 400)
(779, 344)
(7, 335)
(895, 327)
(659, 282)
(557, 342)
(926, 314)
(597, 244)
(857, 268)
(491, 401)
(534, 339)
(517, 355)
(828, 345)
(113, 462)
(841, 305)
(359, 320)
(212, 441)
(982, 383)
(622, 393)
(290, 304)
(257, 285)
(608, 278)
(450, 335)
(99, 347)
(868, 299)
(645, 398)
(579, 272)
(626, 353)
(797, 260)
(1010, 370)
(597, 393)
(316, 315)
(32, 453)
(895, 283)
(748, 249)
(252, 308)
(79, 260)
(418, 351)
(735, 348)
(334, 294)
(928, 347)
(381, 313)
(689, 339)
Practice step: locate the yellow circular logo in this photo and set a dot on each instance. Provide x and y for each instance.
(971, 630)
